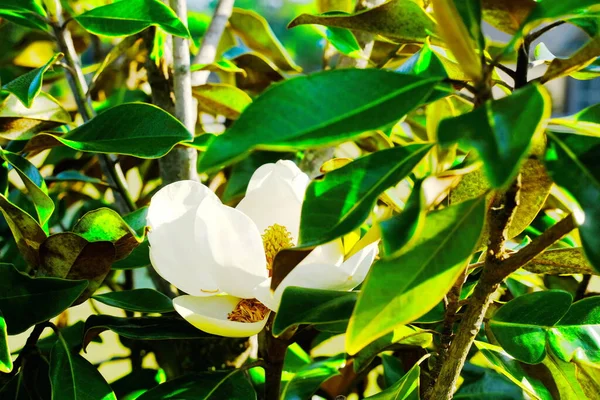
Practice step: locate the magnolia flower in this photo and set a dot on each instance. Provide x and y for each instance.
(222, 256)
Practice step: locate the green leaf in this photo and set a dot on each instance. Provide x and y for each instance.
(139, 258)
(257, 34)
(564, 378)
(402, 335)
(140, 300)
(580, 59)
(26, 301)
(75, 176)
(571, 161)
(400, 20)
(312, 306)
(130, 17)
(137, 220)
(28, 234)
(500, 131)
(141, 328)
(74, 378)
(291, 115)
(218, 66)
(215, 385)
(521, 325)
(406, 388)
(568, 261)
(343, 199)
(586, 122)
(6, 363)
(34, 182)
(72, 335)
(26, 87)
(550, 10)
(483, 383)
(70, 256)
(221, 99)
(429, 267)
(343, 40)
(27, 13)
(309, 378)
(576, 335)
(535, 188)
(398, 231)
(504, 364)
(105, 224)
(135, 129)
(424, 63)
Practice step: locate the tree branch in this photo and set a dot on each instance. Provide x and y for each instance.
(78, 84)
(210, 42)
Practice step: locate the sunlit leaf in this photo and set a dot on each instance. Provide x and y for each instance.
(291, 114)
(405, 388)
(26, 87)
(521, 325)
(131, 16)
(6, 363)
(221, 99)
(343, 199)
(27, 13)
(399, 290)
(307, 379)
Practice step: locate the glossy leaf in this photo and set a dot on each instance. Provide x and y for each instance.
(343, 40)
(291, 114)
(564, 378)
(140, 300)
(257, 34)
(575, 336)
(343, 199)
(535, 188)
(459, 26)
(312, 306)
(218, 66)
(221, 99)
(483, 383)
(105, 224)
(403, 335)
(521, 325)
(399, 290)
(35, 184)
(424, 63)
(400, 20)
(580, 59)
(74, 378)
(406, 388)
(26, 301)
(307, 379)
(571, 160)
(550, 10)
(506, 15)
(567, 261)
(70, 256)
(130, 17)
(6, 363)
(504, 364)
(27, 233)
(26, 87)
(27, 13)
(141, 328)
(136, 129)
(75, 176)
(500, 131)
(214, 385)
(586, 121)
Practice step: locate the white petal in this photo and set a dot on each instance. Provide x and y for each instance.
(359, 264)
(209, 314)
(314, 276)
(274, 202)
(230, 241)
(329, 253)
(173, 250)
(283, 170)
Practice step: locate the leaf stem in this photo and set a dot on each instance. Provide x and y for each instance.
(273, 352)
(78, 85)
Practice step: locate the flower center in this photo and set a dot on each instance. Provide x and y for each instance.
(275, 238)
(248, 310)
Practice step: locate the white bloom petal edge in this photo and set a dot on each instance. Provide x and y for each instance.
(173, 251)
(209, 314)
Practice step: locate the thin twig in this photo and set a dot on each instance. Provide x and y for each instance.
(533, 36)
(212, 37)
(78, 86)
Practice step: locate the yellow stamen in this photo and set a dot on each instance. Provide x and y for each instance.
(275, 238)
(248, 310)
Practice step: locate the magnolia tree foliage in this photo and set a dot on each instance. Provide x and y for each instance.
(410, 222)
